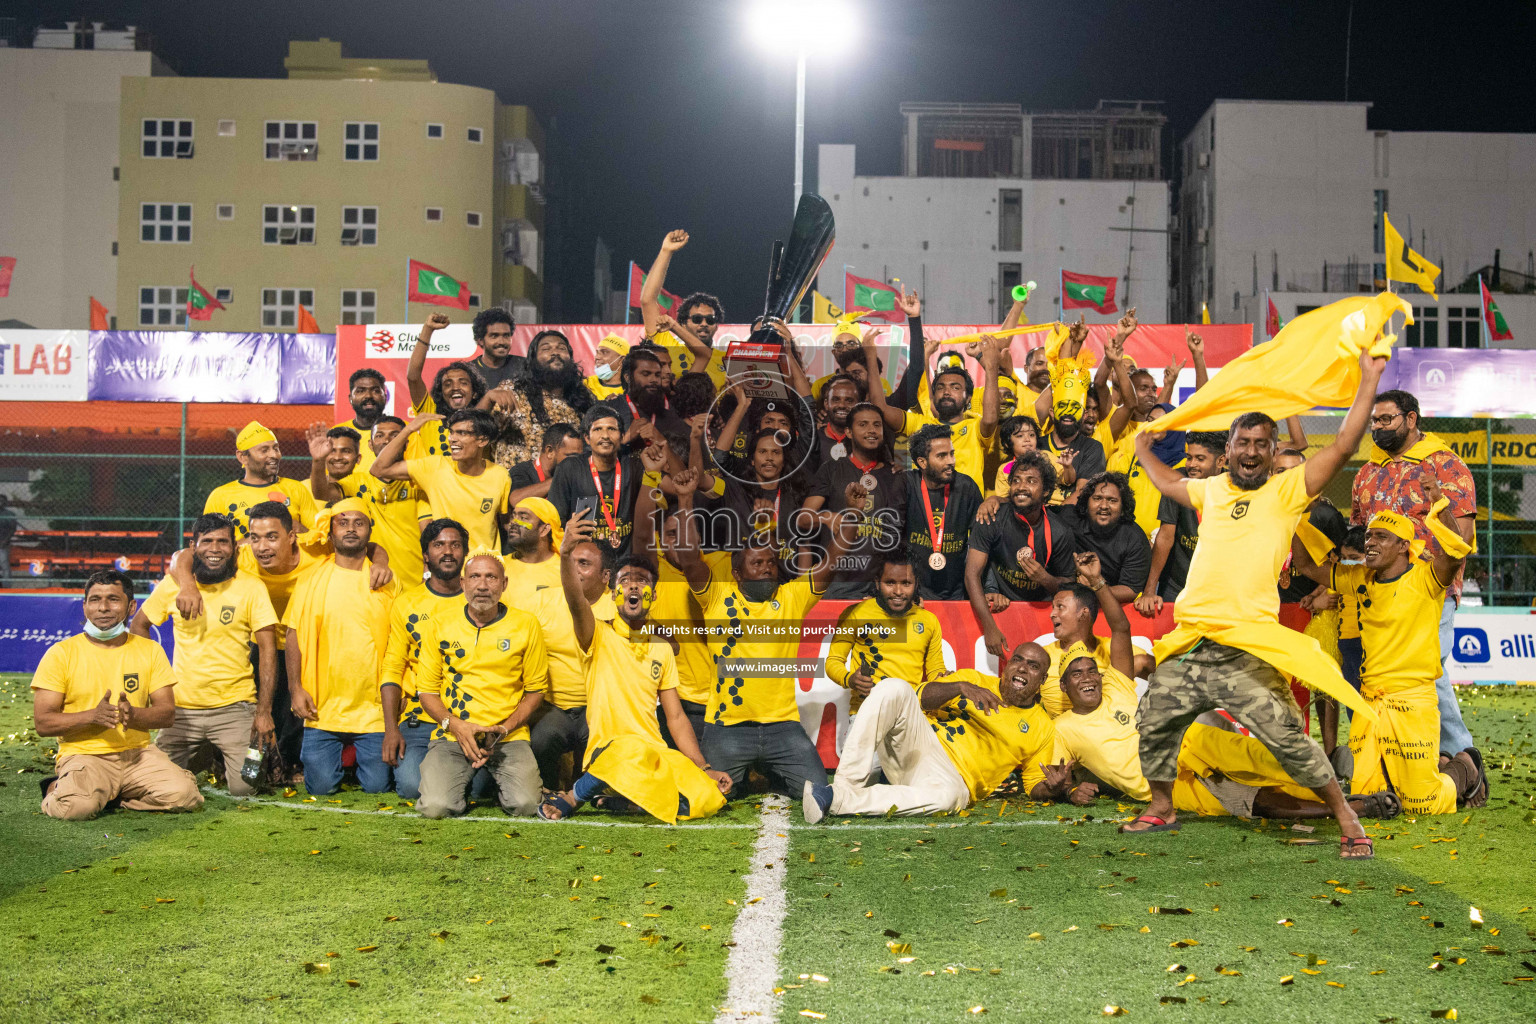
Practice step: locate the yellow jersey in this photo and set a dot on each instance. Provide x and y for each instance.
(365, 454)
(397, 509)
(683, 360)
(1148, 497)
(85, 671)
(739, 628)
(343, 628)
(676, 613)
(408, 619)
(908, 647)
(970, 447)
(235, 499)
(279, 585)
(602, 392)
(1105, 742)
(527, 581)
(482, 672)
(1055, 701)
(212, 663)
(567, 670)
(987, 748)
(432, 438)
(475, 501)
(1399, 624)
(626, 672)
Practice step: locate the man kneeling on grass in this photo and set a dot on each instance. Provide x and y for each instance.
(483, 672)
(101, 692)
(628, 671)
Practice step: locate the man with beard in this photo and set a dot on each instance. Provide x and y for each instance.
(548, 390)
(1065, 433)
(878, 521)
(338, 631)
(531, 479)
(456, 386)
(1399, 467)
(1027, 547)
(1104, 518)
(221, 703)
(486, 675)
(887, 636)
(1227, 636)
(443, 545)
(367, 395)
(982, 729)
(644, 376)
(463, 484)
(837, 400)
(941, 505)
(101, 692)
(603, 479)
(1073, 611)
(495, 364)
(333, 468)
(259, 455)
(699, 315)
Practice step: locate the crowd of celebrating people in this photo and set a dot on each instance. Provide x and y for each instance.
(555, 585)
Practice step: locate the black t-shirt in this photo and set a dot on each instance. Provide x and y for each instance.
(948, 583)
(880, 523)
(524, 474)
(668, 422)
(571, 486)
(1088, 460)
(1002, 538)
(827, 450)
(1185, 524)
(494, 376)
(735, 517)
(1125, 556)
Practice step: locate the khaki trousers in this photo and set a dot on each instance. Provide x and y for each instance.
(143, 779)
(445, 775)
(227, 730)
(923, 778)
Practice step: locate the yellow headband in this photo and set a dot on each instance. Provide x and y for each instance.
(544, 511)
(849, 324)
(321, 534)
(1077, 650)
(614, 343)
(1400, 527)
(251, 435)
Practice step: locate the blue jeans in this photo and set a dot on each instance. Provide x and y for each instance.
(408, 771)
(1454, 737)
(780, 750)
(322, 761)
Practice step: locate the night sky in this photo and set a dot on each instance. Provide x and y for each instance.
(667, 114)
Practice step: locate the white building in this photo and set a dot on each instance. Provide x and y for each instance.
(992, 197)
(58, 210)
(1287, 197)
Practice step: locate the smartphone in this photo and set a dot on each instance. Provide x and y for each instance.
(590, 503)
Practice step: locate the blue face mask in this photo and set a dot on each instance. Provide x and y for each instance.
(603, 372)
(111, 633)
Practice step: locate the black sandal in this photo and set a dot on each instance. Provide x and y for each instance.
(1383, 805)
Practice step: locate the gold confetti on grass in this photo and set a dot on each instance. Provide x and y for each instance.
(366, 949)
(313, 968)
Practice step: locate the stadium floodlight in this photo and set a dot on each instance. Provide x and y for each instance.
(802, 27)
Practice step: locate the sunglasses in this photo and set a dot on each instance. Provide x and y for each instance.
(698, 319)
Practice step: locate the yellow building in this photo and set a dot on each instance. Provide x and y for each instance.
(317, 189)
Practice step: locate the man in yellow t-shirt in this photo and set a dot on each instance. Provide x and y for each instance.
(338, 629)
(888, 636)
(484, 676)
(366, 394)
(334, 470)
(1073, 611)
(221, 705)
(396, 508)
(972, 433)
(604, 380)
(101, 692)
(259, 455)
(406, 730)
(981, 728)
(465, 485)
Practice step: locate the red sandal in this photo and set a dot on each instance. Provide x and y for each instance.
(1157, 825)
(1347, 843)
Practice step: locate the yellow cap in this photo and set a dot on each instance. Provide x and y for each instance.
(614, 343)
(1077, 650)
(251, 435)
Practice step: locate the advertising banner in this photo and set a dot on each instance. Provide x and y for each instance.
(1466, 382)
(184, 366)
(309, 369)
(43, 366)
(1491, 646)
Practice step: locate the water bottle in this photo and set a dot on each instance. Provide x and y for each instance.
(250, 771)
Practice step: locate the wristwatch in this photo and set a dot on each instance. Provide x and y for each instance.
(443, 725)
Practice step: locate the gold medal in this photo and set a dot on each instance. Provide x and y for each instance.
(936, 561)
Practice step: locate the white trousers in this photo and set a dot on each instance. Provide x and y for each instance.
(923, 780)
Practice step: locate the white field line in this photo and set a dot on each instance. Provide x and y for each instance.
(752, 965)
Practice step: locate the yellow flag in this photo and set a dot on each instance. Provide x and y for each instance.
(1205, 314)
(1403, 264)
(822, 309)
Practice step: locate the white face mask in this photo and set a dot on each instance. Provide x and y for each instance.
(111, 633)
(1351, 561)
(603, 372)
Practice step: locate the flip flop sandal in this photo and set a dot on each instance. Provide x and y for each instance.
(1157, 825)
(561, 804)
(1382, 805)
(1347, 843)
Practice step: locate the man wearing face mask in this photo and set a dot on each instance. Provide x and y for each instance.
(606, 361)
(1400, 463)
(982, 728)
(224, 708)
(101, 692)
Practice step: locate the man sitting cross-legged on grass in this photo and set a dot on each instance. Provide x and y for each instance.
(100, 692)
(483, 673)
(1400, 599)
(628, 672)
(887, 635)
(983, 728)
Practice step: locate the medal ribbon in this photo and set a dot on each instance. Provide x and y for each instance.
(618, 486)
(935, 527)
(1030, 531)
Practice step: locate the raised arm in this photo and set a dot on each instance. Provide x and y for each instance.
(1122, 655)
(1321, 467)
(894, 418)
(650, 309)
(643, 539)
(919, 351)
(1297, 433)
(1196, 346)
(320, 483)
(1170, 380)
(989, 391)
(797, 378)
(577, 531)
(685, 554)
(418, 363)
(1447, 532)
(389, 464)
(1169, 482)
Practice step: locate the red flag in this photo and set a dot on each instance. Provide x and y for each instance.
(1272, 322)
(1498, 327)
(1079, 291)
(307, 323)
(879, 300)
(99, 319)
(666, 300)
(7, 266)
(200, 305)
(432, 286)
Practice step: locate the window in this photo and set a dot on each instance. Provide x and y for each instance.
(475, 135)
(358, 305)
(359, 225)
(162, 307)
(165, 222)
(288, 225)
(474, 300)
(292, 140)
(280, 306)
(224, 211)
(165, 138)
(224, 294)
(434, 131)
(1424, 332)
(1010, 219)
(434, 214)
(1378, 236)
(472, 219)
(226, 127)
(1008, 275)
(362, 140)
(1464, 327)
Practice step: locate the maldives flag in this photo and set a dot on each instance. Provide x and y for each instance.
(200, 305)
(877, 297)
(666, 300)
(1272, 321)
(1498, 327)
(7, 267)
(429, 285)
(1080, 291)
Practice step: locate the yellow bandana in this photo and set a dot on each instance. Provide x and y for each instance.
(545, 512)
(251, 435)
(321, 534)
(1400, 527)
(1077, 650)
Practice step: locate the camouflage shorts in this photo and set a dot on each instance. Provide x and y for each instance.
(1212, 675)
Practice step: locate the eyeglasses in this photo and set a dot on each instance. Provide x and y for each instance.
(1385, 421)
(697, 318)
